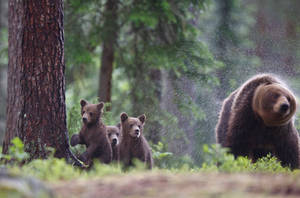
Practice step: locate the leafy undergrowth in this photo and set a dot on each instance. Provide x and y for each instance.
(221, 175)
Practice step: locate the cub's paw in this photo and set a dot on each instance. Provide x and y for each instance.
(75, 140)
(84, 157)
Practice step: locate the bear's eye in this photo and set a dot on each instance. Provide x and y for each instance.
(275, 96)
(91, 114)
(131, 125)
(139, 126)
(117, 134)
(289, 99)
(109, 134)
(83, 112)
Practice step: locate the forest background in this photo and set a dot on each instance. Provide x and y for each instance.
(175, 61)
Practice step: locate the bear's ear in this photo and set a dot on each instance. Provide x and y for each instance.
(142, 118)
(119, 126)
(100, 106)
(83, 102)
(124, 117)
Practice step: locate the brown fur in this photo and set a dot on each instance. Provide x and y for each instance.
(93, 134)
(134, 146)
(252, 124)
(114, 137)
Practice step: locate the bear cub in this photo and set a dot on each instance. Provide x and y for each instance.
(257, 119)
(93, 134)
(133, 144)
(114, 137)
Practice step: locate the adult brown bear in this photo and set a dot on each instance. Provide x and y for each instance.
(257, 119)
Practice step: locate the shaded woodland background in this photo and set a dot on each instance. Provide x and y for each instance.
(175, 61)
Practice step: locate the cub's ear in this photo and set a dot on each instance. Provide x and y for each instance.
(118, 126)
(124, 117)
(142, 118)
(100, 106)
(83, 102)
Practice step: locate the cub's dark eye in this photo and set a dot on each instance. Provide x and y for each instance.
(91, 114)
(139, 126)
(109, 134)
(131, 125)
(289, 99)
(117, 134)
(83, 112)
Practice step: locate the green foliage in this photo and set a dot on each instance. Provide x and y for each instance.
(218, 159)
(54, 169)
(16, 153)
(160, 156)
(74, 120)
(3, 47)
(167, 160)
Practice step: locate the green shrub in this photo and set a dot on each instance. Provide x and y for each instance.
(167, 160)
(218, 159)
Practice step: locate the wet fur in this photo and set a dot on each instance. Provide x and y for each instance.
(245, 133)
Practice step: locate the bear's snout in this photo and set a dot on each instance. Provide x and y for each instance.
(84, 119)
(284, 107)
(137, 132)
(114, 141)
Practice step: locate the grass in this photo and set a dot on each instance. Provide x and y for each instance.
(220, 175)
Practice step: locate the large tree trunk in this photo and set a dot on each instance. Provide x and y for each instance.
(109, 37)
(36, 110)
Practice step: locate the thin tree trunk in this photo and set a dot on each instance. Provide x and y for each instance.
(109, 37)
(2, 95)
(223, 36)
(36, 110)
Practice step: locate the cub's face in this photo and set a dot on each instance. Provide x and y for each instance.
(113, 133)
(275, 104)
(131, 126)
(90, 113)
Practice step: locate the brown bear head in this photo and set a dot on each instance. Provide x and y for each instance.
(113, 133)
(274, 104)
(91, 113)
(131, 126)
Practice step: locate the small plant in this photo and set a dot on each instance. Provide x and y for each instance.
(167, 160)
(16, 153)
(160, 155)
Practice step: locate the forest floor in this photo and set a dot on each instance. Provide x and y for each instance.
(164, 185)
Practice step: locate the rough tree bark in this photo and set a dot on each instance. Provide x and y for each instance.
(109, 37)
(36, 110)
